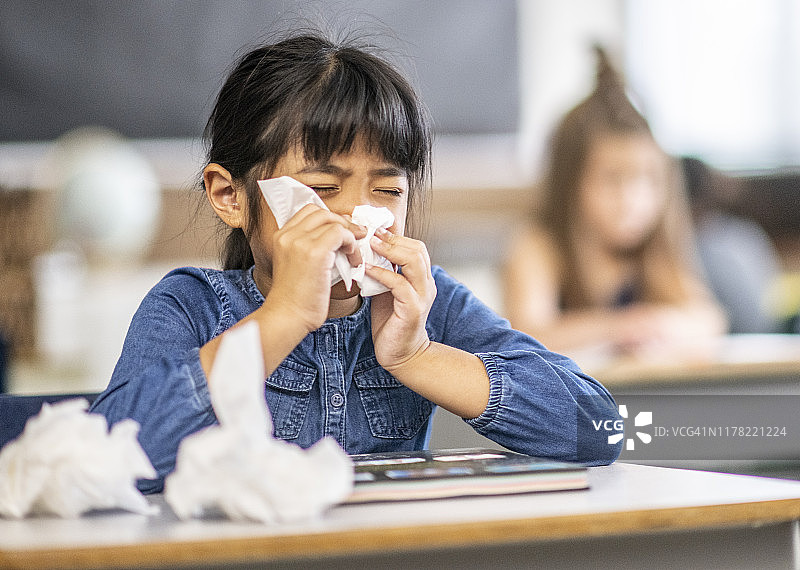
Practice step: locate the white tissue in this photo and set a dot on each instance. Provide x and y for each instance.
(285, 196)
(67, 463)
(237, 466)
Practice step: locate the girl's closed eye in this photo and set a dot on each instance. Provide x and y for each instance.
(324, 188)
(390, 191)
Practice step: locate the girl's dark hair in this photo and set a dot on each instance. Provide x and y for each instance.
(308, 91)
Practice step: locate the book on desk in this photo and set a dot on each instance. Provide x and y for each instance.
(414, 475)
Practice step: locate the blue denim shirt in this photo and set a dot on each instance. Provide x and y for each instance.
(332, 384)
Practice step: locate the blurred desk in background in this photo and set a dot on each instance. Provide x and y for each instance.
(738, 362)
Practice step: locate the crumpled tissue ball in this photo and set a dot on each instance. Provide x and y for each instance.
(66, 462)
(238, 467)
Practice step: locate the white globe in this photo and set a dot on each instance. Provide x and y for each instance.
(109, 196)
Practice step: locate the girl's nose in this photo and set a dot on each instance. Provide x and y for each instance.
(341, 208)
(350, 197)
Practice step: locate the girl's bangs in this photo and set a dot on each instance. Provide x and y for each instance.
(336, 117)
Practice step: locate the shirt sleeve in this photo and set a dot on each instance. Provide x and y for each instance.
(158, 380)
(540, 402)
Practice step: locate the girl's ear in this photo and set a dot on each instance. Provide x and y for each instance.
(223, 195)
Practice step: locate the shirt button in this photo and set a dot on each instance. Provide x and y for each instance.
(337, 399)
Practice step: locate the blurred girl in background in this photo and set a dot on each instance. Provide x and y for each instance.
(607, 259)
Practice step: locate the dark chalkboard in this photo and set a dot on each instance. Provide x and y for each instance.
(151, 68)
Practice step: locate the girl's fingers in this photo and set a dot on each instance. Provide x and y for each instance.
(409, 254)
(320, 241)
(405, 249)
(408, 302)
(312, 224)
(389, 279)
(311, 215)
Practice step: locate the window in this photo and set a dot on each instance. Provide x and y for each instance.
(719, 79)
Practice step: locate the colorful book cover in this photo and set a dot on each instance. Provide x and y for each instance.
(397, 476)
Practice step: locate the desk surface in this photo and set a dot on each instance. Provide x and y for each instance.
(735, 357)
(623, 499)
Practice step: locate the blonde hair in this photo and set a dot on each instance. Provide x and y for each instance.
(665, 258)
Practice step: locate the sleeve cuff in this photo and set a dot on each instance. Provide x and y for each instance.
(495, 393)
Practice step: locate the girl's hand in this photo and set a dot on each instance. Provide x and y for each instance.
(399, 315)
(303, 251)
(653, 331)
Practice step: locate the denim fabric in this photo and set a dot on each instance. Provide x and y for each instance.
(4, 350)
(332, 384)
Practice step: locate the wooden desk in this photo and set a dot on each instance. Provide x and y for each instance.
(735, 360)
(633, 516)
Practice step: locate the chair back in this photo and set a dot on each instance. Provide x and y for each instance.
(16, 409)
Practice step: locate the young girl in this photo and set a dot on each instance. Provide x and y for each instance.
(607, 261)
(366, 371)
